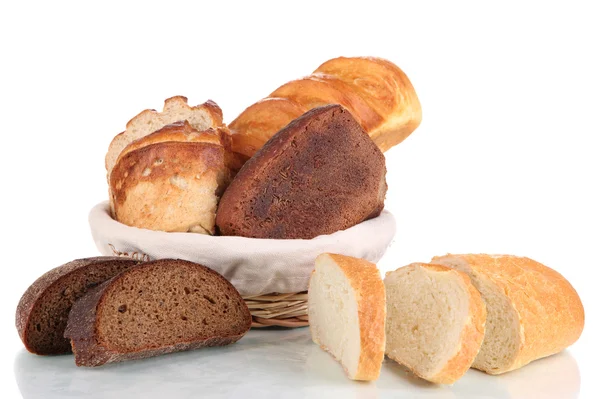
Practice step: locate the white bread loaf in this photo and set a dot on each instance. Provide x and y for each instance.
(201, 117)
(346, 311)
(532, 310)
(435, 321)
(171, 180)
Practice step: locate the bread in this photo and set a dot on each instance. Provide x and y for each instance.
(156, 308)
(42, 312)
(346, 311)
(532, 311)
(201, 117)
(375, 91)
(171, 180)
(435, 321)
(318, 175)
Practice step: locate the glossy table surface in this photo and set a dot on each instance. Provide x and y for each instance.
(275, 363)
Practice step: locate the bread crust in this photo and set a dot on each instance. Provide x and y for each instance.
(40, 286)
(88, 347)
(471, 336)
(369, 290)
(170, 180)
(376, 92)
(551, 315)
(173, 104)
(318, 175)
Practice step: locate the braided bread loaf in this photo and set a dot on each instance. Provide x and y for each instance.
(375, 91)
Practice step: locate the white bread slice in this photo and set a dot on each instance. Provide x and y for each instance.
(435, 321)
(346, 312)
(532, 311)
(201, 117)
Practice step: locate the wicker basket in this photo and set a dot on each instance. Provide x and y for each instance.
(271, 275)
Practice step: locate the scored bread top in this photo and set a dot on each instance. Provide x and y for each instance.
(320, 174)
(201, 117)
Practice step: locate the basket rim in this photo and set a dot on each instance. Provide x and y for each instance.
(100, 216)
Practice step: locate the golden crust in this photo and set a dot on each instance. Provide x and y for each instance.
(471, 336)
(551, 314)
(173, 108)
(170, 186)
(374, 90)
(182, 102)
(368, 287)
(180, 131)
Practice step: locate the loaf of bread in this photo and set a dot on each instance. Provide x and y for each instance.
(171, 180)
(346, 311)
(435, 321)
(43, 310)
(320, 174)
(532, 310)
(156, 308)
(375, 91)
(201, 117)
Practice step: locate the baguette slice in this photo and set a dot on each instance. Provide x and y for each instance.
(346, 311)
(156, 308)
(435, 321)
(43, 310)
(533, 311)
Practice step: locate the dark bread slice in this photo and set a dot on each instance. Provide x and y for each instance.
(43, 310)
(320, 174)
(156, 308)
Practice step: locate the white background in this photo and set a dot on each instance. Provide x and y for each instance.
(506, 159)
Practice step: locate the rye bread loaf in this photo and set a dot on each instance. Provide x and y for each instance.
(156, 308)
(43, 310)
(320, 174)
(532, 310)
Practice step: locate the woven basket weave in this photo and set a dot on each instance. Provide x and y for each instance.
(271, 275)
(284, 310)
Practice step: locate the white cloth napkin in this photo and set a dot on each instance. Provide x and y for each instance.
(254, 266)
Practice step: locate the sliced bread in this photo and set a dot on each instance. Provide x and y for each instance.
(156, 308)
(532, 310)
(435, 321)
(346, 311)
(44, 308)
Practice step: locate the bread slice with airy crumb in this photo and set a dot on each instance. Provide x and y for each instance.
(435, 321)
(532, 310)
(201, 117)
(346, 312)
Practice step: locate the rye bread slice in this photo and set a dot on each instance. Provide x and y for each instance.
(320, 174)
(43, 310)
(156, 308)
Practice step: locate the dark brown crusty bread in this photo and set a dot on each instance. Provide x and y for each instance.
(320, 174)
(156, 308)
(43, 310)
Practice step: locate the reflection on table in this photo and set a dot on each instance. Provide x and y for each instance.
(275, 363)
